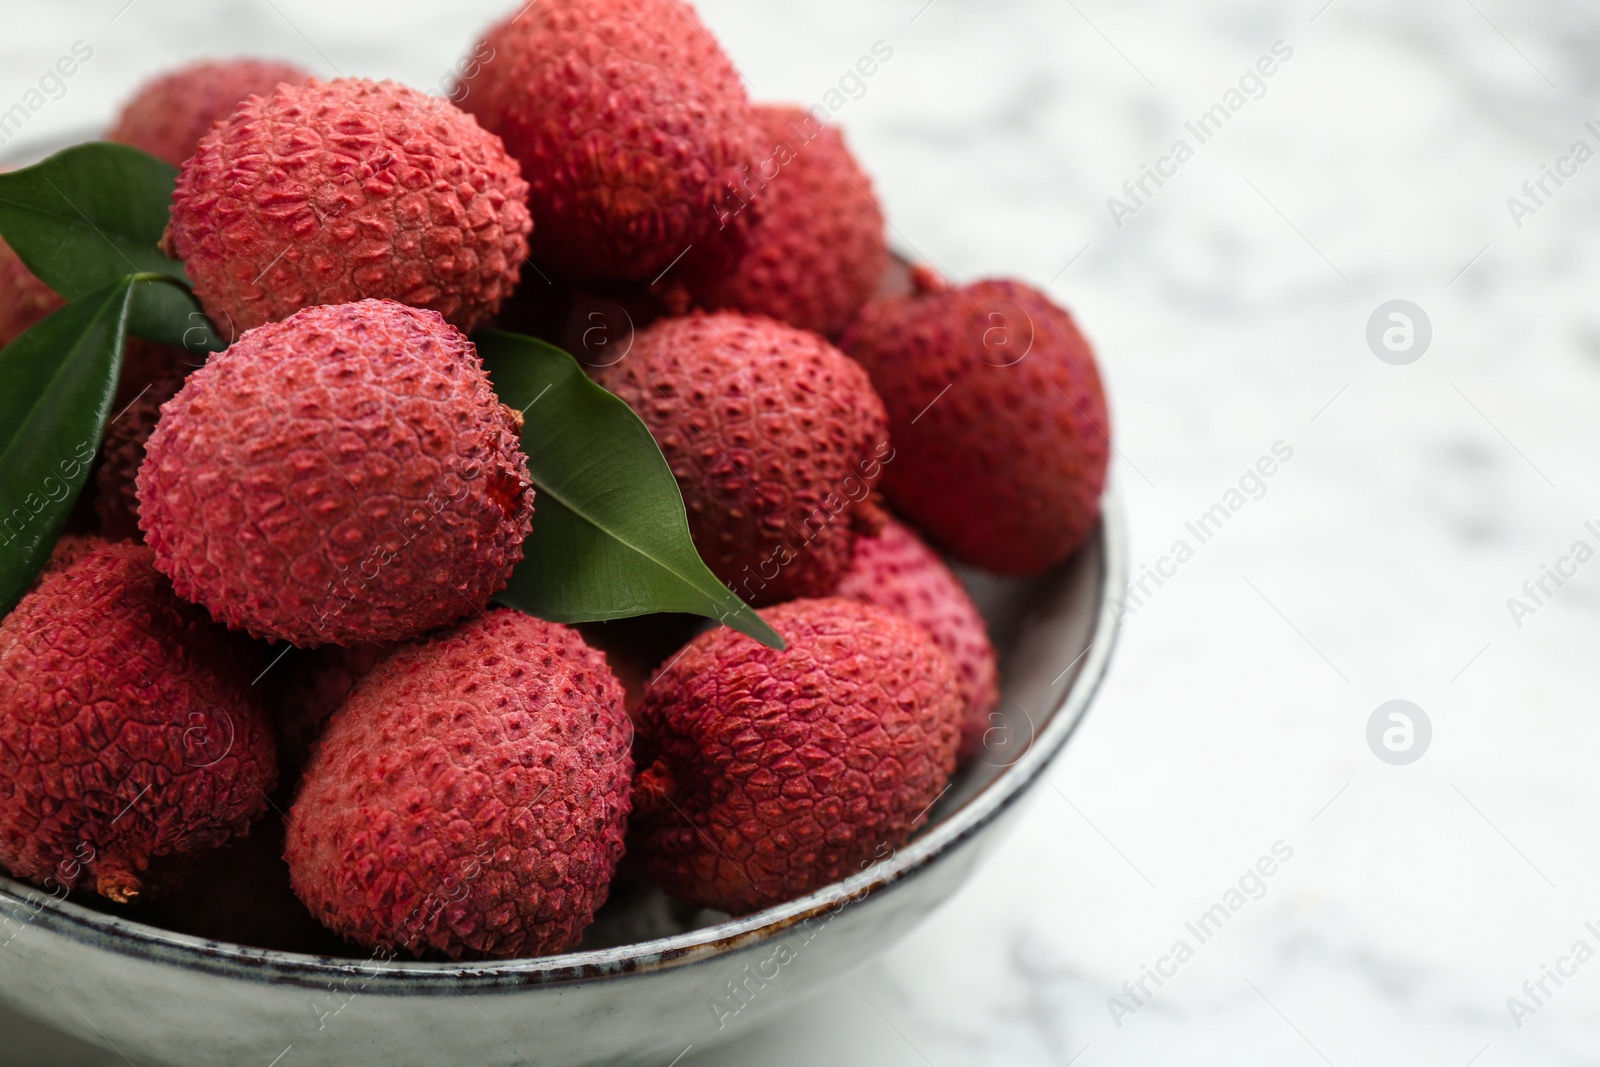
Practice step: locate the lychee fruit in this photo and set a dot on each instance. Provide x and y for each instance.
(767, 775)
(346, 476)
(315, 686)
(633, 130)
(777, 441)
(997, 416)
(819, 252)
(129, 741)
(328, 193)
(122, 453)
(898, 572)
(68, 547)
(470, 797)
(24, 299)
(168, 115)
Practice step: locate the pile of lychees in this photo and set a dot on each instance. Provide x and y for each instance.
(266, 658)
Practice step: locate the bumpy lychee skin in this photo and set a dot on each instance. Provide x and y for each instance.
(122, 454)
(470, 797)
(632, 127)
(315, 684)
(819, 252)
(168, 115)
(68, 547)
(772, 774)
(777, 441)
(129, 741)
(898, 572)
(999, 422)
(327, 193)
(346, 476)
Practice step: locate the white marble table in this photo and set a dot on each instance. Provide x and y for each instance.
(1376, 563)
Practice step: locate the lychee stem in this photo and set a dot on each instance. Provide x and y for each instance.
(118, 880)
(655, 789)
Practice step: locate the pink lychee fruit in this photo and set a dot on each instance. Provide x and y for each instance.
(469, 799)
(333, 192)
(346, 476)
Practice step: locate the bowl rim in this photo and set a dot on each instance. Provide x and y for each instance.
(126, 936)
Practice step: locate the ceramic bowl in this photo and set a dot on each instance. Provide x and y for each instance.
(651, 979)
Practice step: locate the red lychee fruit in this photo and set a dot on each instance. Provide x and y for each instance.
(317, 683)
(328, 193)
(999, 423)
(777, 441)
(68, 547)
(470, 797)
(632, 128)
(819, 253)
(346, 476)
(896, 571)
(122, 453)
(24, 299)
(771, 774)
(168, 115)
(129, 740)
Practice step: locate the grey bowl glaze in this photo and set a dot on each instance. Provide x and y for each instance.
(161, 997)
(650, 981)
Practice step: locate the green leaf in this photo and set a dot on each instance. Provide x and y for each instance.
(88, 216)
(166, 312)
(59, 379)
(610, 534)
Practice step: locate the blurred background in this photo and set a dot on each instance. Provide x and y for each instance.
(1429, 471)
